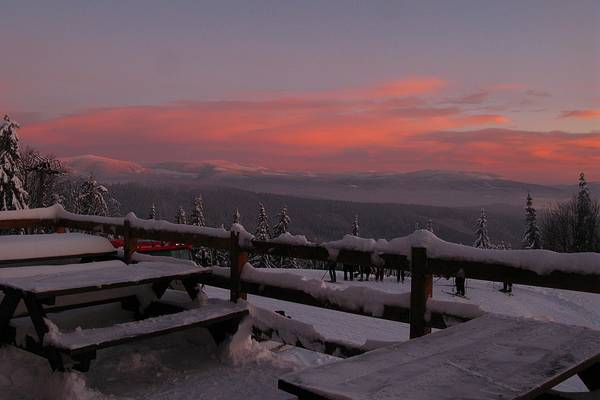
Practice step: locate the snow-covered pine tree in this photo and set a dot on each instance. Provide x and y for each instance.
(263, 232)
(283, 222)
(91, 199)
(13, 195)
(585, 232)
(180, 217)
(152, 214)
(355, 226)
(430, 225)
(236, 216)
(197, 216)
(482, 239)
(532, 236)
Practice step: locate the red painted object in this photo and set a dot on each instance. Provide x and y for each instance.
(156, 248)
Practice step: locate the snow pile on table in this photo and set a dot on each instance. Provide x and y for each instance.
(297, 333)
(19, 247)
(57, 278)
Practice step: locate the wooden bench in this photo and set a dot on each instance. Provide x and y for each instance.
(491, 357)
(40, 290)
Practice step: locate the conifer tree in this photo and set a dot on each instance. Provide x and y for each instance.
(430, 225)
(482, 239)
(283, 222)
(92, 198)
(197, 216)
(152, 214)
(180, 217)
(586, 219)
(236, 216)
(263, 231)
(355, 226)
(280, 228)
(13, 195)
(532, 235)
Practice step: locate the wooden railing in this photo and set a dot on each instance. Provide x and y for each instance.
(422, 266)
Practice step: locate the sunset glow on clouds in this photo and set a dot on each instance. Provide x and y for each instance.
(396, 126)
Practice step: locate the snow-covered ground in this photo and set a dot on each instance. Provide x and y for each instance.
(189, 365)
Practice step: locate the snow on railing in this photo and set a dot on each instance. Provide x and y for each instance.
(540, 262)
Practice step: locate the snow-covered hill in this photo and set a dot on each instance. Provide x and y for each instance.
(103, 167)
(440, 188)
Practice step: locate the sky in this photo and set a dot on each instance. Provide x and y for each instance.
(506, 87)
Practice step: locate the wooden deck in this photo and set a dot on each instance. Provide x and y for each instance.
(492, 357)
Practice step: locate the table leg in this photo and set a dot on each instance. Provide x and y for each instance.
(191, 287)
(591, 377)
(7, 310)
(37, 315)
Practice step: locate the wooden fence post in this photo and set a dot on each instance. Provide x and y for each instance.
(238, 258)
(420, 290)
(129, 242)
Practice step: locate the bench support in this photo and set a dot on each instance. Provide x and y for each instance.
(591, 377)
(420, 290)
(37, 315)
(238, 259)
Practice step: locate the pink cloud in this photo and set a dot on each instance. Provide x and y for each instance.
(581, 114)
(380, 128)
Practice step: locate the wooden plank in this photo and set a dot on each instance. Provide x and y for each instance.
(237, 258)
(26, 223)
(420, 291)
(7, 310)
(112, 255)
(90, 340)
(489, 358)
(73, 282)
(500, 273)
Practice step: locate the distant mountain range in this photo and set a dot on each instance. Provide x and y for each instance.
(438, 188)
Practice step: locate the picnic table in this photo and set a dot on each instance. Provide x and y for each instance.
(491, 357)
(40, 290)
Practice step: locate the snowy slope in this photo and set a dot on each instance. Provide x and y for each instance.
(102, 167)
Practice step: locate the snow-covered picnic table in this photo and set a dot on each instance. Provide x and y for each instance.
(491, 357)
(27, 249)
(42, 288)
